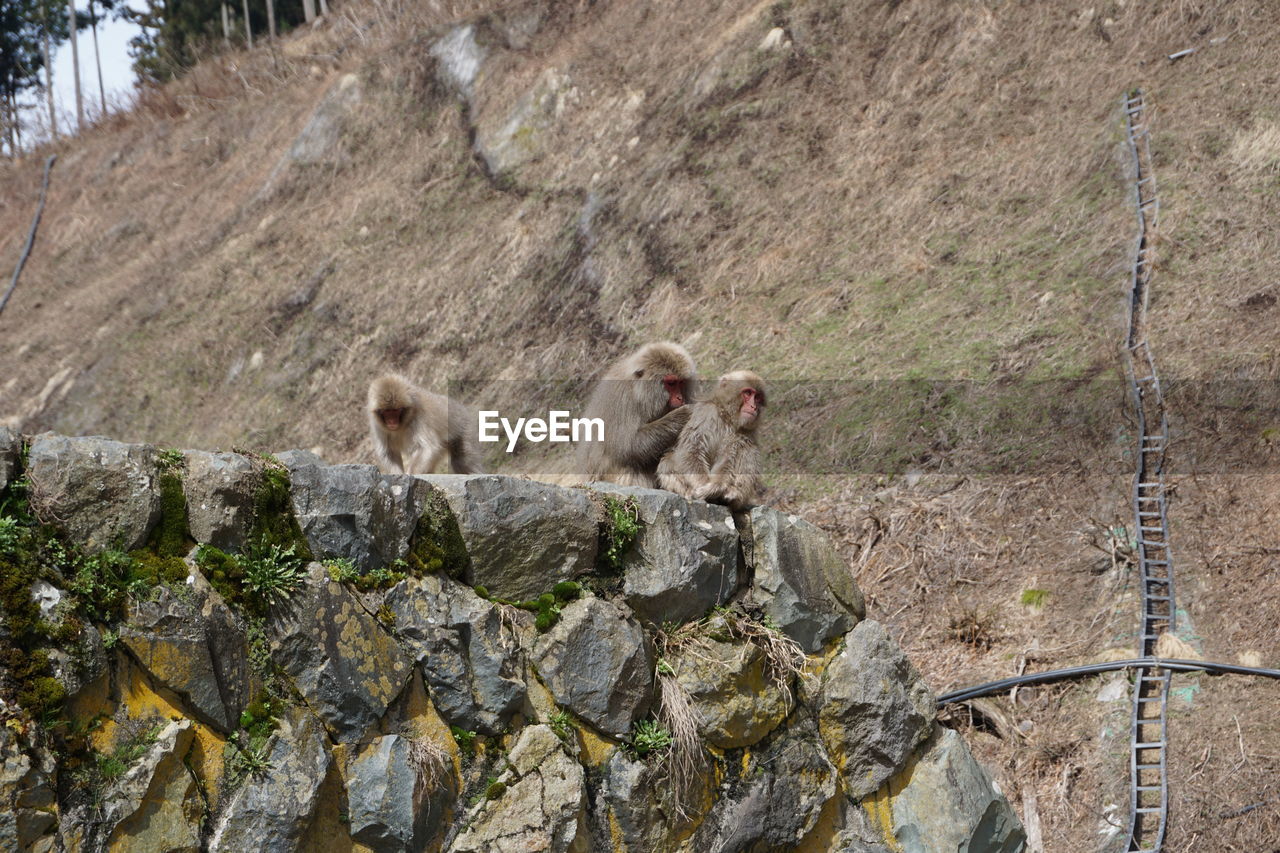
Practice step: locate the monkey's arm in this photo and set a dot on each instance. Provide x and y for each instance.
(735, 476)
(655, 438)
(388, 458)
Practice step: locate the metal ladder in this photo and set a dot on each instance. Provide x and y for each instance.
(1148, 744)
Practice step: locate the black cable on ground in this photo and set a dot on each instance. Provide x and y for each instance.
(31, 235)
(1003, 684)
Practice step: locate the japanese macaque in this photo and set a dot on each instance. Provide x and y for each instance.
(717, 458)
(641, 400)
(417, 432)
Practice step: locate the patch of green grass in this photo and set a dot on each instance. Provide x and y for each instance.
(171, 537)
(1034, 597)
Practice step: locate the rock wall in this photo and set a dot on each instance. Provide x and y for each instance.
(212, 651)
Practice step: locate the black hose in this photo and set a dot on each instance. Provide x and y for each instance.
(1003, 684)
(31, 235)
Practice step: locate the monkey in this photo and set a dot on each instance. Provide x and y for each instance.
(415, 431)
(641, 400)
(716, 457)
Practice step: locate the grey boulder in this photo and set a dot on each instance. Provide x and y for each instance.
(220, 490)
(473, 664)
(273, 809)
(523, 537)
(798, 578)
(684, 560)
(873, 709)
(597, 663)
(353, 512)
(103, 494)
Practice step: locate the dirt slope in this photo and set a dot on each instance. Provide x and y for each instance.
(892, 197)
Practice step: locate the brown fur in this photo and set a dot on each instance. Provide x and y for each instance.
(433, 431)
(639, 423)
(717, 458)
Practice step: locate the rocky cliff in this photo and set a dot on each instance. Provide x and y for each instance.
(217, 651)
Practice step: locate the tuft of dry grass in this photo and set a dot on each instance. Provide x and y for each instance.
(429, 760)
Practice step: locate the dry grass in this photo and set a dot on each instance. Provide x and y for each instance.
(430, 761)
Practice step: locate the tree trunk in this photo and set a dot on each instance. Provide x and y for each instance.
(226, 26)
(97, 58)
(271, 19)
(309, 10)
(324, 8)
(48, 71)
(75, 63)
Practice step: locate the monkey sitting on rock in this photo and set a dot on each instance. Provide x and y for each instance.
(716, 457)
(417, 432)
(641, 399)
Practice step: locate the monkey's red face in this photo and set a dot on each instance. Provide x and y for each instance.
(391, 418)
(750, 406)
(674, 386)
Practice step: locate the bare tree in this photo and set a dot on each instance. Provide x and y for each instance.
(75, 62)
(248, 28)
(97, 58)
(226, 25)
(271, 19)
(48, 69)
(309, 10)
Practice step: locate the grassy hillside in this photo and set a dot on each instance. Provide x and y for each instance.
(890, 198)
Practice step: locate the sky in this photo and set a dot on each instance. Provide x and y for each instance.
(117, 71)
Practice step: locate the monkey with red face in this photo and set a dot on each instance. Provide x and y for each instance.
(641, 399)
(417, 432)
(716, 457)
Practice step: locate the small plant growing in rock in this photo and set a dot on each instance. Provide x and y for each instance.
(494, 789)
(342, 570)
(111, 767)
(646, 738)
(428, 759)
(562, 725)
(10, 535)
(273, 575)
(245, 761)
(619, 529)
(465, 740)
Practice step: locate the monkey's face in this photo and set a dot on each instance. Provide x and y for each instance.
(750, 407)
(392, 419)
(674, 386)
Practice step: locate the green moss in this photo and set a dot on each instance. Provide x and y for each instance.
(495, 790)
(567, 590)
(171, 538)
(437, 541)
(273, 520)
(223, 572)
